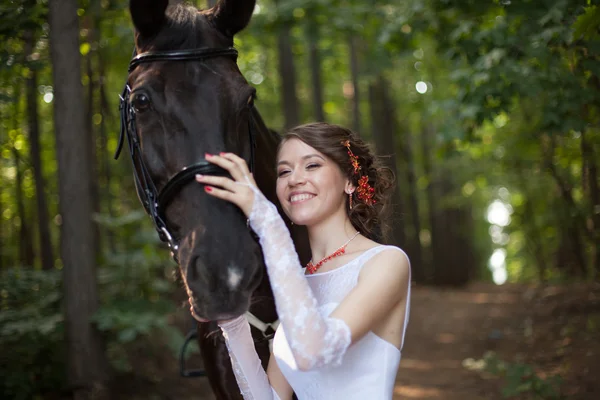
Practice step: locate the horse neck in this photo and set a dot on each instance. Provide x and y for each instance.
(266, 152)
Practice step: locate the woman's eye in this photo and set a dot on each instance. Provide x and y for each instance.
(140, 102)
(313, 166)
(283, 173)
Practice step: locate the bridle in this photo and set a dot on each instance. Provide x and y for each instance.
(156, 202)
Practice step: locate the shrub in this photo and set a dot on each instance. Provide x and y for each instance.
(31, 333)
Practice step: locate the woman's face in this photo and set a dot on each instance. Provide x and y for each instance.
(310, 186)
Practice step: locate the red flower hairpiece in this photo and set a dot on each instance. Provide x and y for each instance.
(364, 190)
(353, 158)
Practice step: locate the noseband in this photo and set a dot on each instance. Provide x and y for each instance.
(155, 202)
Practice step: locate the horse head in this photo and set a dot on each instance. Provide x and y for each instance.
(186, 97)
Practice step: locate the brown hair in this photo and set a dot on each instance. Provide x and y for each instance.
(329, 139)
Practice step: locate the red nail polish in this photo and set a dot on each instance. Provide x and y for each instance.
(208, 188)
(221, 154)
(207, 155)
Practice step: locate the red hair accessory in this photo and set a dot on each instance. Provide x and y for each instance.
(364, 190)
(353, 158)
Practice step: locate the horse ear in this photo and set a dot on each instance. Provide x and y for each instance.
(231, 16)
(148, 16)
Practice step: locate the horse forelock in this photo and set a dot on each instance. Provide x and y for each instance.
(182, 30)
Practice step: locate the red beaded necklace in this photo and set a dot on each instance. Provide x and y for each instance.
(312, 268)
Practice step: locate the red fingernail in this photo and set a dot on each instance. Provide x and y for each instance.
(208, 188)
(221, 153)
(207, 155)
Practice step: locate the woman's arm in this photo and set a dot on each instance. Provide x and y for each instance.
(252, 380)
(382, 284)
(278, 381)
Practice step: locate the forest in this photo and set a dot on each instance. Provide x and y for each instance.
(488, 112)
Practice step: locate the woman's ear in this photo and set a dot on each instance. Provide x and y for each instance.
(350, 188)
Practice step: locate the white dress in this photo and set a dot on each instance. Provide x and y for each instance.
(312, 349)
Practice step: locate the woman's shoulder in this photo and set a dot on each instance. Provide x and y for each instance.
(387, 270)
(368, 245)
(387, 259)
(399, 252)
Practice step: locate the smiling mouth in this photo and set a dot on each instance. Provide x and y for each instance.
(299, 198)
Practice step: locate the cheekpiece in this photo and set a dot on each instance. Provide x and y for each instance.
(364, 191)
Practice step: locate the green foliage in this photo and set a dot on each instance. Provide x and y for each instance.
(31, 333)
(519, 378)
(20, 16)
(522, 50)
(136, 286)
(587, 24)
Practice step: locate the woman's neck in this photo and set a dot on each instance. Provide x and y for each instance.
(329, 235)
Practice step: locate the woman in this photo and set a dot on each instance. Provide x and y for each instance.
(343, 318)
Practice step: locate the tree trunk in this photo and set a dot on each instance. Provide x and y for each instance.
(533, 237)
(573, 221)
(91, 137)
(354, 72)
(86, 361)
(589, 161)
(26, 253)
(413, 202)
(427, 138)
(454, 256)
(2, 233)
(312, 34)
(106, 159)
(383, 122)
(2, 239)
(287, 74)
(46, 252)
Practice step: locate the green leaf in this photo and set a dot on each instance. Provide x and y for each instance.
(587, 25)
(127, 335)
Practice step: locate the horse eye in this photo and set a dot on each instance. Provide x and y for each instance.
(250, 101)
(140, 102)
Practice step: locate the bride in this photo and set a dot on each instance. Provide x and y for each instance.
(344, 316)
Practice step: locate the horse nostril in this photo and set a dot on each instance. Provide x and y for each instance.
(256, 279)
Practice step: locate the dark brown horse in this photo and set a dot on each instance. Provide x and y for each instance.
(185, 97)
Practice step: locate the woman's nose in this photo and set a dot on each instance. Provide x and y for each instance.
(296, 178)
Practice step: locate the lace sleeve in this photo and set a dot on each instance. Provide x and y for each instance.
(247, 368)
(314, 340)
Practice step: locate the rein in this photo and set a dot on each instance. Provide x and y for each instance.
(155, 202)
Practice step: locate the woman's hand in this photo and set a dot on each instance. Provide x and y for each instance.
(236, 191)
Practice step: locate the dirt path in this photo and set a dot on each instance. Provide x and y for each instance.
(555, 328)
(446, 327)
